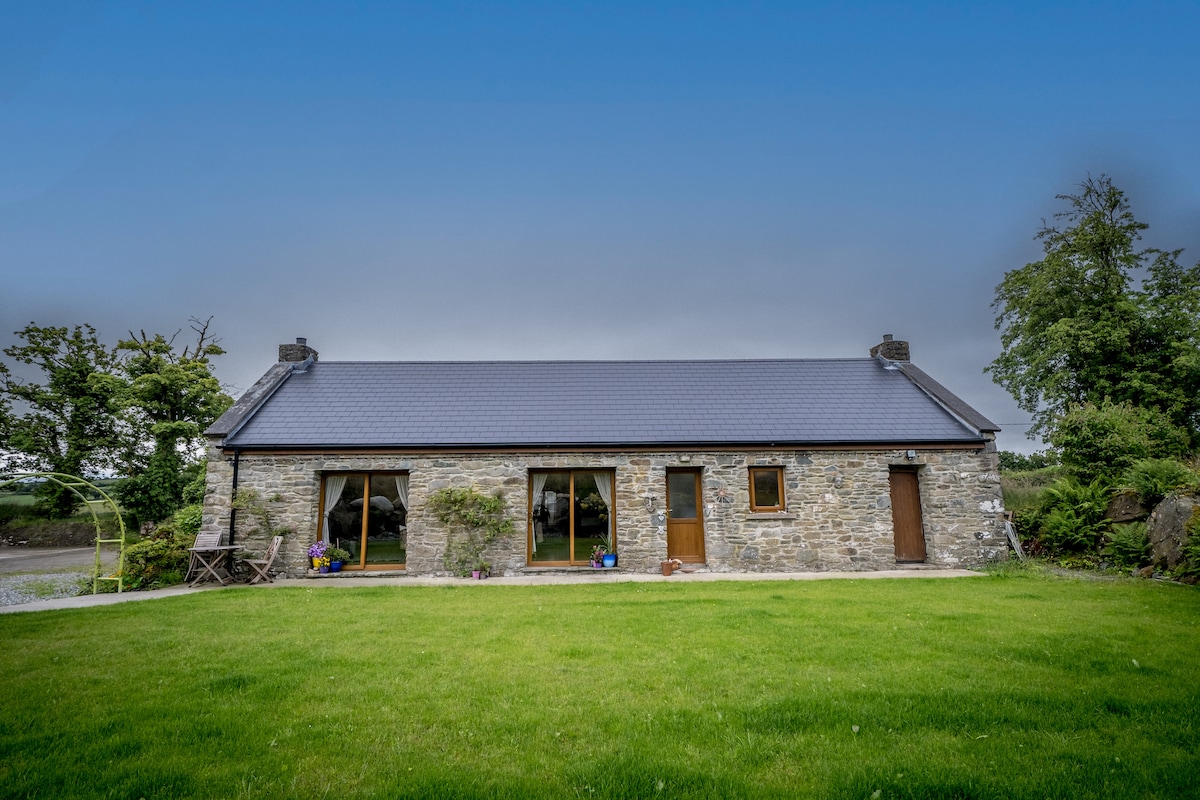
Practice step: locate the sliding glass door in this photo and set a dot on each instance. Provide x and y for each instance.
(366, 514)
(571, 511)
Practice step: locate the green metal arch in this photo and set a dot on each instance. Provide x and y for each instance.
(81, 488)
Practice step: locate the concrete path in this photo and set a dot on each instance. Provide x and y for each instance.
(345, 582)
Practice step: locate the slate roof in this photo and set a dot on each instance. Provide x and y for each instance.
(567, 403)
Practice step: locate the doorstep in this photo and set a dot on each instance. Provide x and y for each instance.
(313, 574)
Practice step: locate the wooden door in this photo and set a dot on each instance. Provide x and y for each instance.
(906, 515)
(685, 516)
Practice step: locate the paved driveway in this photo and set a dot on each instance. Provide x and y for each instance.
(22, 560)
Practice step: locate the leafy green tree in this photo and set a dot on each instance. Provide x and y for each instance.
(170, 396)
(67, 423)
(1100, 318)
(1102, 441)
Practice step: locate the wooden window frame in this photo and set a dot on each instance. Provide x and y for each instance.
(573, 471)
(765, 509)
(366, 476)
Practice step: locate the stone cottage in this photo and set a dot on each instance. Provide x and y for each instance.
(730, 465)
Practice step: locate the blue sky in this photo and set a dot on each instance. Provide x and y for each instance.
(568, 180)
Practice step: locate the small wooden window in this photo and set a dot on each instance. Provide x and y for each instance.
(766, 489)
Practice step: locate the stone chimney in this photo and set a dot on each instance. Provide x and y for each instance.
(295, 353)
(889, 349)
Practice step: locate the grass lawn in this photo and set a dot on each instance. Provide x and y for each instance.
(1007, 686)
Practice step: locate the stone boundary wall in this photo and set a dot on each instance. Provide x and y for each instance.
(838, 513)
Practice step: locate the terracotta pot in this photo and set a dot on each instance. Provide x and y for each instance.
(668, 567)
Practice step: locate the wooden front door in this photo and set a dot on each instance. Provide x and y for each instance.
(685, 516)
(906, 515)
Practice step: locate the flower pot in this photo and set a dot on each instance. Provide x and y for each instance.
(475, 574)
(668, 567)
(596, 565)
(335, 566)
(316, 563)
(610, 560)
(323, 569)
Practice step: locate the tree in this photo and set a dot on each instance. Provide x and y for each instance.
(68, 423)
(169, 398)
(1100, 442)
(1100, 319)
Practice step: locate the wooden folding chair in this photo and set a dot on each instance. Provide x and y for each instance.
(262, 565)
(205, 559)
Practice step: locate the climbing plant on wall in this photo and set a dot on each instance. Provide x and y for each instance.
(473, 521)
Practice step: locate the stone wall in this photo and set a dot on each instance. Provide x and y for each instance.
(838, 514)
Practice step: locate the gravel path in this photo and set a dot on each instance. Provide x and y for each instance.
(18, 589)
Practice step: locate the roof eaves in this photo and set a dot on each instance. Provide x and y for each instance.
(856, 444)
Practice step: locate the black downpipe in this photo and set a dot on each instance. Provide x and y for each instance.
(233, 495)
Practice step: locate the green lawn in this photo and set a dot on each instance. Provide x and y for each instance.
(1003, 686)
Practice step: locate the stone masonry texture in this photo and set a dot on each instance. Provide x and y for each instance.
(838, 506)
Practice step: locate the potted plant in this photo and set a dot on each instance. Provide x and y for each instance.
(598, 556)
(337, 557)
(316, 552)
(608, 552)
(482, 570)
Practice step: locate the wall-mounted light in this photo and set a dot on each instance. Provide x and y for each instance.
(911, 455)
(685, 459)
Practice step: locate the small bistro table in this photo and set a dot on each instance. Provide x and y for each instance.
(212, 562)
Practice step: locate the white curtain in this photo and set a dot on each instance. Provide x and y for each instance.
(539, 483)
(402, 490)
(333, 490)
(604, 487)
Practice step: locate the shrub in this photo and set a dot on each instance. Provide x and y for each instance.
(1065, 531)
(1188, 569)
(1101, 442)
(161, 560)
(187, 519)
(1155, 478)
(1128, 545)
(1072, 516)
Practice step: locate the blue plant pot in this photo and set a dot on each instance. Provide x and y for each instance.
(335, 566)
(610, 560)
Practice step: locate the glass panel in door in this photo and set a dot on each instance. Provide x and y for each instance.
(681, 493)
(591, 517)
(346, 517)
(551, 503)
(386, 534)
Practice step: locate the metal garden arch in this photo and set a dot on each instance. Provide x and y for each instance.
(82, 488)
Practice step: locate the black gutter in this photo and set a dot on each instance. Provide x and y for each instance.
(233, 495)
